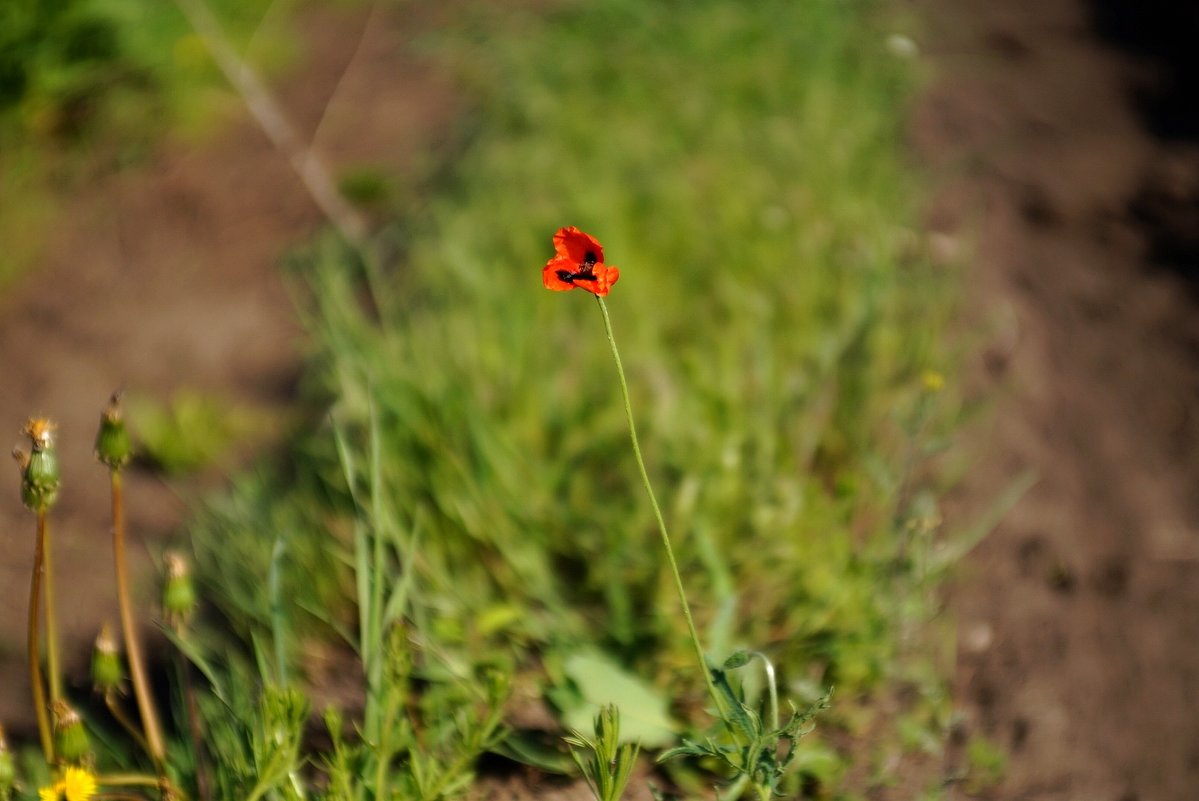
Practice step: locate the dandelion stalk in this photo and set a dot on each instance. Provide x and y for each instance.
(114, 449)
(674, 566)
(43, 535)
(133, 651)
(166, 788)
(35, 671)
(39, 490)
(131, 780)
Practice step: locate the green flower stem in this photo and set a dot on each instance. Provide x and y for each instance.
(129, 780)
(133, 651)
(51, 615)
(35, 671)
(136, 780)
(674, 566)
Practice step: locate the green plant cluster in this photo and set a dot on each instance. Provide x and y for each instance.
(742, 165)
(759, 757)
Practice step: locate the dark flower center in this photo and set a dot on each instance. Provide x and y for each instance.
(585, 271)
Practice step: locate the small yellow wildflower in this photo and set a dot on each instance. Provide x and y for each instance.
(932, 381)
(76, 784)
(79, 784)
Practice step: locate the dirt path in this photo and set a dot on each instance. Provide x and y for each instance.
(1067, 169)
(165, 277)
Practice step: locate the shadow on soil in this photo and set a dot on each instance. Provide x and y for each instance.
(1161, 35)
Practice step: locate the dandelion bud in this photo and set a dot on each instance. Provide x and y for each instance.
(106, 662)
(179, 594)
(113, 447)
(8, 769)
(70, 738)
(39, 470)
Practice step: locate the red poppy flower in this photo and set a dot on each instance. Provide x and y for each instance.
(578, 262)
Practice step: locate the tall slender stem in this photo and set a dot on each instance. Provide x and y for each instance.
(35, 671)
(137, 671)
(131, 780)
(674, 566)
(166, 788)
(52, 665)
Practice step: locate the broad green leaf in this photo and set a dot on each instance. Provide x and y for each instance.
(643, 709)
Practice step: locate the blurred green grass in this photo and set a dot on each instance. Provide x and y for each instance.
(743, 165)
(87, 86)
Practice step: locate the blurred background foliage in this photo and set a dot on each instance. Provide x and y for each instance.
(87, 85)
(65, 64)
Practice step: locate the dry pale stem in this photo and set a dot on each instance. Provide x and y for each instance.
(35, 672)
(52, 665)
(137, 671)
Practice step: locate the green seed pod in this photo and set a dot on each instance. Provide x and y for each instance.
(107, 672)
(39, 471)
(113, 446)
(179, 593)
(43, 469)
(8, 769)
(70, 737)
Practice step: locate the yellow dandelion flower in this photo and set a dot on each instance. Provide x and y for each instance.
(78, 784)
(932, 381)
(40, 430)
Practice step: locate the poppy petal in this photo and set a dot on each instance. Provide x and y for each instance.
(607, 277)
(549, 273)
(577, 246)
(601, 280)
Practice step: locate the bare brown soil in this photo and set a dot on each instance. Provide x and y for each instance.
(1068, 175)
(164, 277)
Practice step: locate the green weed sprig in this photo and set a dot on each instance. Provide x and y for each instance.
(758, 758)
(605, 762)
